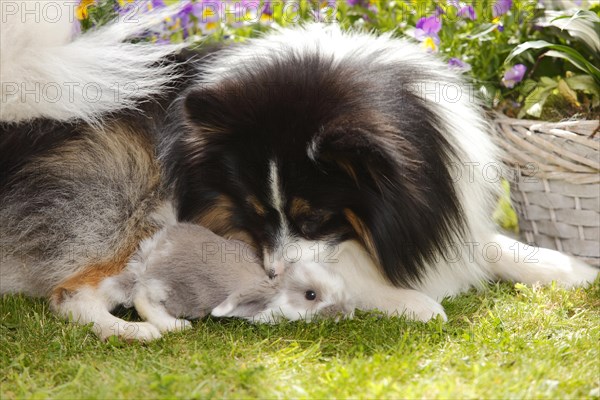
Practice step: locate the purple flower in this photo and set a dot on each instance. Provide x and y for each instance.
(267, 8)
(428, 27)
(501, 7)
(362, 3)
(457, 63)
(208, 15)
(467, 12)
(184, 17)
(514, 75)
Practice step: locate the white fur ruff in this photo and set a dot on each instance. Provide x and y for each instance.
(46, 73)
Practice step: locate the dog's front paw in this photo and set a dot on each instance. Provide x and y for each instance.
(173, 325)
(146, 332)
(410, 303)
(129, 331)
(425, 309)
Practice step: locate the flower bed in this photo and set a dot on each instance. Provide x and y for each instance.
(527, 58)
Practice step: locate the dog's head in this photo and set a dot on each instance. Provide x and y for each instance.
(299, 152)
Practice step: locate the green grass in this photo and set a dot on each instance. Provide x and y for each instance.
(508, 342)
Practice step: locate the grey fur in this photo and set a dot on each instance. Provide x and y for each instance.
(85, 202)
(180, 270)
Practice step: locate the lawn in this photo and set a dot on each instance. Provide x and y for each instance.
(511, 341)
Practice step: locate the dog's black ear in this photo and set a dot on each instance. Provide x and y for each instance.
(366, 154)
(205, 107)
(406, 211)
(348, 142)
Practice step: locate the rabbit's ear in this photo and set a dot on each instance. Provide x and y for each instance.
(246, 303)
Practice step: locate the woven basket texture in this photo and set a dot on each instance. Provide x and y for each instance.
(554, 171)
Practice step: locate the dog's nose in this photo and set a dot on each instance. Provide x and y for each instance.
(275, 268)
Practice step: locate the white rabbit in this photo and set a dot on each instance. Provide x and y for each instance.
(186, 271)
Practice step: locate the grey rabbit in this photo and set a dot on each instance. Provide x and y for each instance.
(187, 272)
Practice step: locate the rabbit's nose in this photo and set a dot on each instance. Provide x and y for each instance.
(336, 311)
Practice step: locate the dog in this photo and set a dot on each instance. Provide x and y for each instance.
(344, 147)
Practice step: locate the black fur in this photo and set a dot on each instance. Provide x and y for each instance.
(20, 143)
(358, 114)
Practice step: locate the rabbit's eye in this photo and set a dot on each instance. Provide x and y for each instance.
(310, 295)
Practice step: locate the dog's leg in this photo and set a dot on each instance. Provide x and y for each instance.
(79, 299)
(368, 288)
(402, 302)
(156, 314)
(519, 262)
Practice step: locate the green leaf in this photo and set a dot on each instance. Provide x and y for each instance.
(582, 25)
(483, 30)
(558, 54)
(587, 84)
(505, 215)
(559, 51)
(534, 103)
(568, 93)
(548, 82)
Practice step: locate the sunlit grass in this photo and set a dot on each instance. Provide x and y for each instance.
(508, 342)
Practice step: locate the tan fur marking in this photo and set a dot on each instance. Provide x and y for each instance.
(362, 231)
(258, 208)
(91, 276)
(218, 220)
(348, 168)
(299, 207)
(242, 236)
(218, 217)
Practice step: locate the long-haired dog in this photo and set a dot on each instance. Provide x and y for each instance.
(360, 151)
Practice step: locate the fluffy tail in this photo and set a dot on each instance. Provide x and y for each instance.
(518, 262)
(45, 72)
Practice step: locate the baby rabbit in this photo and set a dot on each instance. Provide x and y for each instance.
(186, 272)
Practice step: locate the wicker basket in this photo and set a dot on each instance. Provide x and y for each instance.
(554, 171)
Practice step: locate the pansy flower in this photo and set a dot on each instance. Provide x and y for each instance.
(208, 16)
(266, 14)
(362, 3)
(467, 11)
(183, 19)
(514, 75)
(324, 10)
(463, 10)
(501, 7)
(457, 63)
(427, 30)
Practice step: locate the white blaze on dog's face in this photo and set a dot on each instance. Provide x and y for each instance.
(300, 293)
(296, 230)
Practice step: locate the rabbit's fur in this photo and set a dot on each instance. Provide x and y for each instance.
(187, 272)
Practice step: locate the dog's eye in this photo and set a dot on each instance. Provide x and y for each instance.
(310, 295)
(309, 227)
(311, 223)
